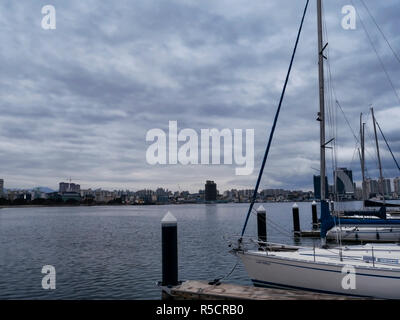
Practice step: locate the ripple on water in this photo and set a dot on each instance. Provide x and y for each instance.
(115, 252)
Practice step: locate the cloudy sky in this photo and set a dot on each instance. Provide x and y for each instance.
(78, 101)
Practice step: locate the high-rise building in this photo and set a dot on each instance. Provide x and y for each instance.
(344, 181)
(396, 183)
(387, 187)
(372, 187)
(210, 191)
(69, 187)
(317, 187)
(63, 187)
(74, 187)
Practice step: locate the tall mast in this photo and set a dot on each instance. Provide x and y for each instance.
(362, 143)
(321, 100)
(363, 156)
(379, 157)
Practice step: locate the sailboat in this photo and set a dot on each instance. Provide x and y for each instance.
(371, 270)
(367, 225)
(376, 202)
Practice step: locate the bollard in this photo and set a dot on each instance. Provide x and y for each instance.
(169, 238)
(262, 224)
(314, 215)
(296, 219)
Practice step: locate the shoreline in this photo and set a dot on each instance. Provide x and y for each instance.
(145, 205)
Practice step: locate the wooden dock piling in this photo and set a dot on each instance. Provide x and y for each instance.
(314, 215)
(169, 236)
(262, 224)
(296, 220)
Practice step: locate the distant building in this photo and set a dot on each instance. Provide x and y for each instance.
(74, 187)
(358, 194)
(210, 191)
(63, 187)
(146, 196)
(317, 187)
(71, 196)
(387, 187)
(274, 194)
(396, 183)
(162, 195)
(69, 187)
(1, 187)
(372, 187)
(344, 181)
(54, 196)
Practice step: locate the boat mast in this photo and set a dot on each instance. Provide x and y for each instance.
(379, 157)
(362, 143)
(321, 100)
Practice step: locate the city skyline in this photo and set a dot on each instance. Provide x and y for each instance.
(78, 101)
(390, 185)
(70, 193)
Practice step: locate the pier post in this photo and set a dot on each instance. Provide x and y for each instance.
(296, 220)
(169, 238)
(262, 224)
(314, 215)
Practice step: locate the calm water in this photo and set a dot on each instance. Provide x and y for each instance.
(115, 252)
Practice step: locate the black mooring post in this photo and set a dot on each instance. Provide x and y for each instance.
(296, 220)
(314, 215)
(262, 225)
(169, 236)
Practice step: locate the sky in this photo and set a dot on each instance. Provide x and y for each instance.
(77, 101)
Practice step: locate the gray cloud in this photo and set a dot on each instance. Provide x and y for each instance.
(77, 101)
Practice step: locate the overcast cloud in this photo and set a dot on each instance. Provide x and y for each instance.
(78, 101)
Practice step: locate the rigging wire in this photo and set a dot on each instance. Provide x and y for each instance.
(275, 121)
(375, 154)
(387, 144)
(377, 54)
(274, 225)
(381, 31)
(352, 131)
(347, 121)
(366, 150)
(381, 63)
(356, 149)
(330, 109)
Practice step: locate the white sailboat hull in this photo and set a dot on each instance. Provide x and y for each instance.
(358, 234)
(272, 271)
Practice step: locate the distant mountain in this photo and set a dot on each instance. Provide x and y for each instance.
(41, 189)
(45, 189)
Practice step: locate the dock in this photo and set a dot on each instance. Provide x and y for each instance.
(202, 290)
(173, 289)
(297, 232)
(310, 234)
